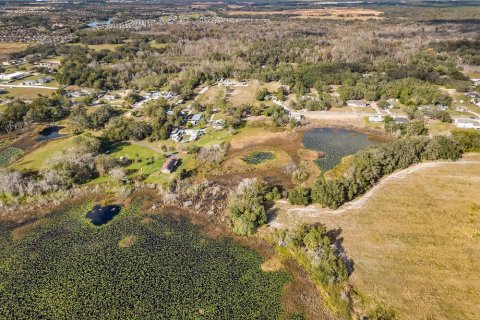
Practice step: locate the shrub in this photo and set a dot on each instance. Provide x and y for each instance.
(299, 196)
(314, 242)
(440, 147)
(468, 140)
(247, 210)
(8, 155)
(258, 157)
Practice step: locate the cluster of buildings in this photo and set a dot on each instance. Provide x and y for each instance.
(19, 34)
(186, 135)
(139, 24)
(433, 108)
(474, 97)
(154, 95)
(232, 83)
(37, 82)
(356, 103)
(380, 118)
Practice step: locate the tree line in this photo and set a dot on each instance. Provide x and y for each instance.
(370, 165)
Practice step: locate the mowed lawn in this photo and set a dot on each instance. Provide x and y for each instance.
(25, 93)
(36, 159)
(140, 158)
(416, 243)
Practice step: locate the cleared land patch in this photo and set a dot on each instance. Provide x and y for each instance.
(25, 92)
(8, 47)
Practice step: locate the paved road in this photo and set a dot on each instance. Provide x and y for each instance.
(331, 114)
(25, 86)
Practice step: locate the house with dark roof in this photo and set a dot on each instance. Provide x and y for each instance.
(170, 165)
(400, 120)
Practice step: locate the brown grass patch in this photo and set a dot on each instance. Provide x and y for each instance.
(127, 241)
(9, 47)
(146, 220)
(273, 264)
(243, 95)
(26, 93)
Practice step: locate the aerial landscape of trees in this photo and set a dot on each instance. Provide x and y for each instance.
(194, 120)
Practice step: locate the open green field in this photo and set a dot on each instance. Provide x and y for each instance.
(139, 155)
(416, 241)
(98, 47)
(26, 93)
(437, 127)
(145, 266)
(36, 159)
(214, 137)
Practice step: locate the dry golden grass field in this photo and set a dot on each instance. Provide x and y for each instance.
(25, 92)
(321, 13)
(415, 241)
(8, 47)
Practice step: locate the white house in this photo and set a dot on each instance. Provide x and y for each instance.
(195, 118)
(193, 134)
(356, 103)
(297, 116)
(375, 119)
(468, 123)
(12, 76)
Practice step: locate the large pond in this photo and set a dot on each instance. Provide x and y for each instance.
(49, 133)
(101, 215)
(336, 144)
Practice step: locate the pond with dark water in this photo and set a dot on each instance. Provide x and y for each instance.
(336, 144)
(49, 133)
(101, 215)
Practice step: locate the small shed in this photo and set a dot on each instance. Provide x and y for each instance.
(356, 103)
(375, 119)
(399, 120)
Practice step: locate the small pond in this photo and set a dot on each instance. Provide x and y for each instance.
(336, 144)
(101, 215)
(97, 23)
(49, 133)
